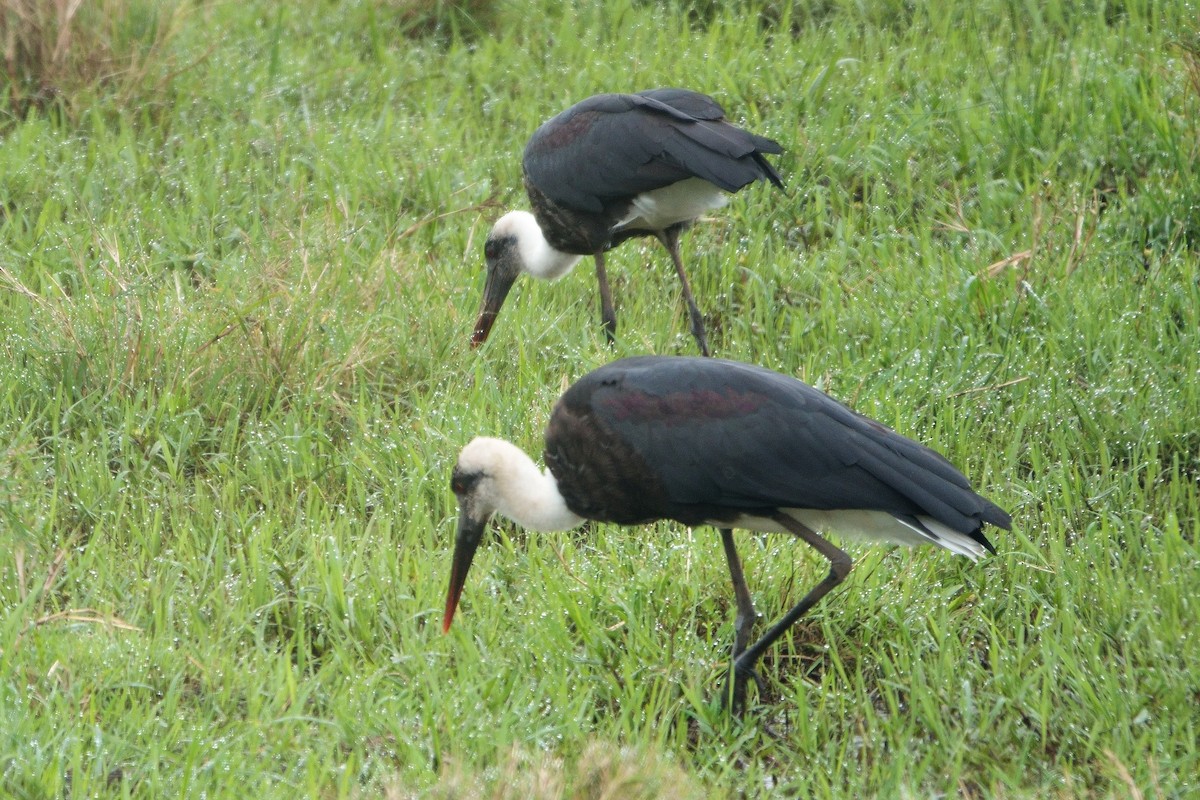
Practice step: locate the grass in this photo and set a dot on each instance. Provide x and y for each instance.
(237, 288)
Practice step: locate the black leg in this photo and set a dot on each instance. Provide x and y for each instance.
(839, 568)
(608, 315)
(670, 240)
(744, 622)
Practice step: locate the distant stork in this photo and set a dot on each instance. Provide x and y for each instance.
(706, 441)
(611, 168)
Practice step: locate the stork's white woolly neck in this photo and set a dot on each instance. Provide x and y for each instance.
(511, 485)
(538, 258)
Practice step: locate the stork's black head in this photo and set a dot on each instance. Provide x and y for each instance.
(504, 263)
(466, 540)
(474, 482)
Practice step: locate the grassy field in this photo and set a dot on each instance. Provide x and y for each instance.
(240, 256)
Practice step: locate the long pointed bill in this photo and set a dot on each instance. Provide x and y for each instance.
(470, 531)
(495, 290)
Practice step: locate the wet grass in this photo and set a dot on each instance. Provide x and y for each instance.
(234, 373)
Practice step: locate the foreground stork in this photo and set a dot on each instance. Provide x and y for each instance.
(613, 167)
(711, 442)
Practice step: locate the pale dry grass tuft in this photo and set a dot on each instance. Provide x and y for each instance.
(57, 52)
(603, 771)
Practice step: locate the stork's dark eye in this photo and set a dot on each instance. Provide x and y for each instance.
(491, 249)
(463, 482)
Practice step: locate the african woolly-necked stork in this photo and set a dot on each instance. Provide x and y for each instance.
(611, 168)
(708, 441)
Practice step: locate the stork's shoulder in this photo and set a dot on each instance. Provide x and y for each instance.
(576, 122)
(599, 114)
(679, 390)
(673, 102)
(694, 104)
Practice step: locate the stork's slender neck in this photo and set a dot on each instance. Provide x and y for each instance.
(538, 257)
(519, 490)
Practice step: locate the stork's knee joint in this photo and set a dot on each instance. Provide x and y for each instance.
(839, 566)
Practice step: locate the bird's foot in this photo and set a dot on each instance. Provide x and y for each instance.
(610, 332)
(734, 696)
(701, 341)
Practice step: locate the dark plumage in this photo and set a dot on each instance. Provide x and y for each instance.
(708, 441)
(713, 440)
(614, 167)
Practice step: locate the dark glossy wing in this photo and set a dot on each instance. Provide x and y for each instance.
(725, 435)
(702, 107)
(689, 103)
(615, 146)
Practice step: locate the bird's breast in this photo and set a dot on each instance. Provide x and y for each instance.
(600, 476)
(570, 230)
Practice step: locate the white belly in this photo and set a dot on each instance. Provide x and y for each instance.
(678, 202)
(869, 526)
